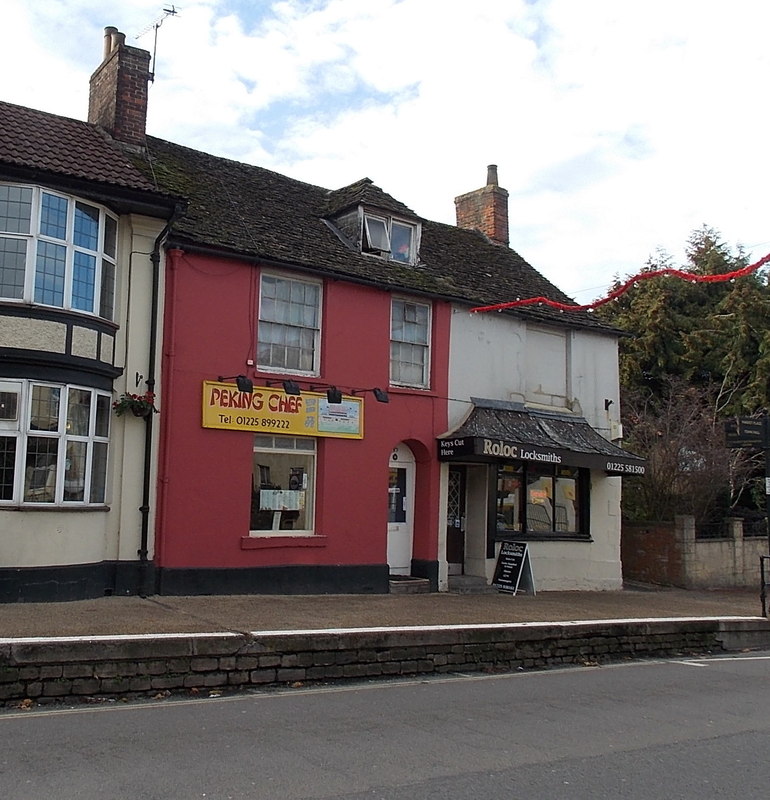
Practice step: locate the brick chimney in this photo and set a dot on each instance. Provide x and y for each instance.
(118, 98)
(485, 210)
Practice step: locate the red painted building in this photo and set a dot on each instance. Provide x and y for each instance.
(212, 532)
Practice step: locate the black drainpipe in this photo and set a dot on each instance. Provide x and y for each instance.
(146, 585)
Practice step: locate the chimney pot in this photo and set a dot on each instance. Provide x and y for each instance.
(118, 39)
(492, 175)
(108, 33)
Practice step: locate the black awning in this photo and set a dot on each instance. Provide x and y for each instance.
(496, 431)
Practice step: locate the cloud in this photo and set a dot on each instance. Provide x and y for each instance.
(617, 127)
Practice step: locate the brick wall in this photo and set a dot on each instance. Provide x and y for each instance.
(46, 671)
(652, 553)
(118, 96)
(485, 210)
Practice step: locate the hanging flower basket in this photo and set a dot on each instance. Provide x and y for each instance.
(140, 405)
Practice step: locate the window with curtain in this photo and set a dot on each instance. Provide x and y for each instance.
(289, 324)
(409, 343)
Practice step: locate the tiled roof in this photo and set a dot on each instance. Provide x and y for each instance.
(253, 211)
(550, 430)
(65, 147)
(364, 192)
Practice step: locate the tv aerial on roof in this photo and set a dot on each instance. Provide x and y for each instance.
(167, 12)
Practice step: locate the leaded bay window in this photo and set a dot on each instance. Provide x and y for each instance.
(409, 343)
(53, 444)
(289, 324)
(283, 484)
(56, 251)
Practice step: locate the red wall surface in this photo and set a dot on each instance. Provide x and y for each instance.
(205, 474)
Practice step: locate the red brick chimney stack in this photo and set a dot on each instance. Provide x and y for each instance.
(118, 98)
(485, 210)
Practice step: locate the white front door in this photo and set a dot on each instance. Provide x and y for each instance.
(400, 510)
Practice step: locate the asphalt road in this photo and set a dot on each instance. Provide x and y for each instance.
(682, 729)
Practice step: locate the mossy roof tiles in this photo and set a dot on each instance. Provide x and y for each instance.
(258, 213)
(249, 211)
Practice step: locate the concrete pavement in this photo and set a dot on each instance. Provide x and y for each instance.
(131, 646)
(250, 613)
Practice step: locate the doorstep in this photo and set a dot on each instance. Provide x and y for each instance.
(408, 584)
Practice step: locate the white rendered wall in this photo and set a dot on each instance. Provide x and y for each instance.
(498, 357)
(32, 537)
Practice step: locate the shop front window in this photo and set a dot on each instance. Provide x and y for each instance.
(509, 482)
(283, 484)
(540, 500)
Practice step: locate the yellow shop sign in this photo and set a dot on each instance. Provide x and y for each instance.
(268, 410)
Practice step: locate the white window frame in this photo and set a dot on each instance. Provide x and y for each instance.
(280, 446)
(104, 262)
(424, 382)
(22, 431)
(262, 321)
(378, 237)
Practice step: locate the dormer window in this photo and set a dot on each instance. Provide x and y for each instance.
(377, 239)
(390, 238)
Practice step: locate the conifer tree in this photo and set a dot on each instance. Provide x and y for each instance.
(693, 355)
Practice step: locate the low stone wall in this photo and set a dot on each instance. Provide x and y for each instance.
(67, 669)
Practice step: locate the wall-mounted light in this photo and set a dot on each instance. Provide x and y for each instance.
(333, 394)
(289, 387)
(243, 383)
(380, 395)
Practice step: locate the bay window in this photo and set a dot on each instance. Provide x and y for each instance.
(53, 444)
(56, 251)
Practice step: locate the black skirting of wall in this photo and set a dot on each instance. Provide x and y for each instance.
(73, 582)
(315, 579)
(426, 569)
(87, 581)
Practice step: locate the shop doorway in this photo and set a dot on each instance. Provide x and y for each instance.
(400, 510)
(455, 521)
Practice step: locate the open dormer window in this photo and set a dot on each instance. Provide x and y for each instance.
(377, 239)
(390, 238)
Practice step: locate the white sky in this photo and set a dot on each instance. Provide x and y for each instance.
(618, 126)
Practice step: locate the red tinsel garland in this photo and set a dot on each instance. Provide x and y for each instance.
(642, 276)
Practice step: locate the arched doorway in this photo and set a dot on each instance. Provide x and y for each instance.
(400, 510)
